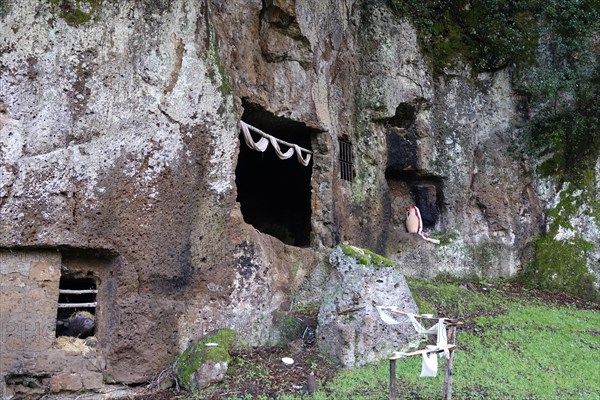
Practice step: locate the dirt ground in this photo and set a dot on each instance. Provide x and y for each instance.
(260, 371)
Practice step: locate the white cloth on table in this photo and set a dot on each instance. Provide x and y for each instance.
(429, 364)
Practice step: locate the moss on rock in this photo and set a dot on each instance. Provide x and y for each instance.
(198, 352)
(562, 264)
(366, 257)
(76, 12)
(488, 34)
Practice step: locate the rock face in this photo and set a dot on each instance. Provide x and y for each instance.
(120, 162)
(350, 329)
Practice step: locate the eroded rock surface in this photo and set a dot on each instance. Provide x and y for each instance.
(119, 141)
(350, 329)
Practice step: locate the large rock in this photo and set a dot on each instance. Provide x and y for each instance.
(350, 329)
(205, 362)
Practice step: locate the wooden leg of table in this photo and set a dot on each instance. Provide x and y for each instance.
(447, 391)
(392, 379)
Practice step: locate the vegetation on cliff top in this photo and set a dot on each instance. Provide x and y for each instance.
(488, 34)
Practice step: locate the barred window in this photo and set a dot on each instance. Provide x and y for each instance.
(346, 160)
(76, 307)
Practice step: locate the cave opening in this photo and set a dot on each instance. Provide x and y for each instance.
(275, 194)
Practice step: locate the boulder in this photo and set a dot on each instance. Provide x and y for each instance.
(205, 362)
(350, 329)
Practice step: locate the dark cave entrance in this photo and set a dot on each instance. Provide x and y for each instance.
(275, 194)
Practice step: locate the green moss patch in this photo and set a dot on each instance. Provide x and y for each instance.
(560, 265)
(198, 352)
(366, 257)
(488, 34)
(76, 12)
(217, 72)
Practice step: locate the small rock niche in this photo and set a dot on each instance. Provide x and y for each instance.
(77, 302)
(86, 294)
(408, 184)
(275, 194)
(411, 188)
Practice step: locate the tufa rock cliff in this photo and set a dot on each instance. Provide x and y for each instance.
(121, 161)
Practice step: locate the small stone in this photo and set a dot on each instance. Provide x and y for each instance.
(166, 383)
(311, 383)
(209, 372)
(92, 380)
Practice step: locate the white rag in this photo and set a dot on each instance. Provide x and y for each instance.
(280, 154)
(420, 230)
(301, 160)
(262, 143)
(429, 364)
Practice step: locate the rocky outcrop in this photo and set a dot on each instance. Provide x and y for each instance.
(350, 330)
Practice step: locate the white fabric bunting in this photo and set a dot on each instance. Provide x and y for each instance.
(261, 145)
(429, 364)
(265, 139)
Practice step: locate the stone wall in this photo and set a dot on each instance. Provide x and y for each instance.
(29, 284)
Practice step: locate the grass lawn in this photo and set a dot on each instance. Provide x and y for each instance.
(512, 347)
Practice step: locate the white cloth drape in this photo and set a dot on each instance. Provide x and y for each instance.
(262, 144)
(429, 364)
